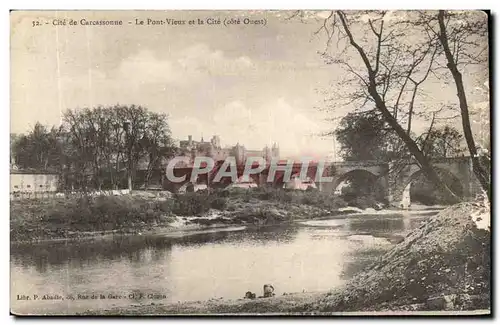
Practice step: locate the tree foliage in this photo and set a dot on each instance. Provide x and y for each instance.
(39, 149)
(96, 148)
(366, 136)
(442, 142)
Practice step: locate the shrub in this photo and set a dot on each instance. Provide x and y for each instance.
(362, 202)
(191, 204)
(267, 195)
(219, 203)
(117, 210)
(320, 199)
(167, 206)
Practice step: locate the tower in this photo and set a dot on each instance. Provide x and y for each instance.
(216, 142)
(239, 153)
(267, 153)
(275, 151)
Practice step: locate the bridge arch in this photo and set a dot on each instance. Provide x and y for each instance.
(374, 182)
(409, 194)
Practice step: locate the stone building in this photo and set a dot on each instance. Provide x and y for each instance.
(31, 181)
(191, 148)
(241, 153)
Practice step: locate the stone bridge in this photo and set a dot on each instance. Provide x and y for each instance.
(394, 181)
(457, 169)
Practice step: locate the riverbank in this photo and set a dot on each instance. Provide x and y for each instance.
(85, 217)
(444, 265)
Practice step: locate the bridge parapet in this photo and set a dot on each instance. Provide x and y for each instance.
(448, 160)
(357, 163)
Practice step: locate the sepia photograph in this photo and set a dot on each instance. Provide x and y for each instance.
(250, 162)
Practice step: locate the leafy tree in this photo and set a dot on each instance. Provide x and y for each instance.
(366, 136)
(95, 147)
(157, 143)
(39, 149)
(445, 142)
(108, 140)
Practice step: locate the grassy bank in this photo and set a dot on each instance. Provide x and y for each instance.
(444, 265)
(76, 217)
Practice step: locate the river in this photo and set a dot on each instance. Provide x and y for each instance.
(104, 273)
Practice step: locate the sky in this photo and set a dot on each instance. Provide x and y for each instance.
(252, 84)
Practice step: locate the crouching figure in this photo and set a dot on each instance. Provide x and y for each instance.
(268, 290)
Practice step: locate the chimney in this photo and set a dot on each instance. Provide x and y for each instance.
(190, 138)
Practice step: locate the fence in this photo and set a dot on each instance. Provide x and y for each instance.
(51, 195)
(33, 195)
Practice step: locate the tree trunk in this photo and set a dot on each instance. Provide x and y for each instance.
(424, 163)
(478, 169)
(410, 112)
(149, 172)
(111, 176)
(129, 182)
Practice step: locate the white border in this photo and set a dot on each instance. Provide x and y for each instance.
(184, 4)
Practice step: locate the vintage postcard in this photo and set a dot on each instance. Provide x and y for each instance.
(286, 162)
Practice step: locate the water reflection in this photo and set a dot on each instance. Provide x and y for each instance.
(202, 266)
(85, 254)
(136, 249)
(378, 225)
